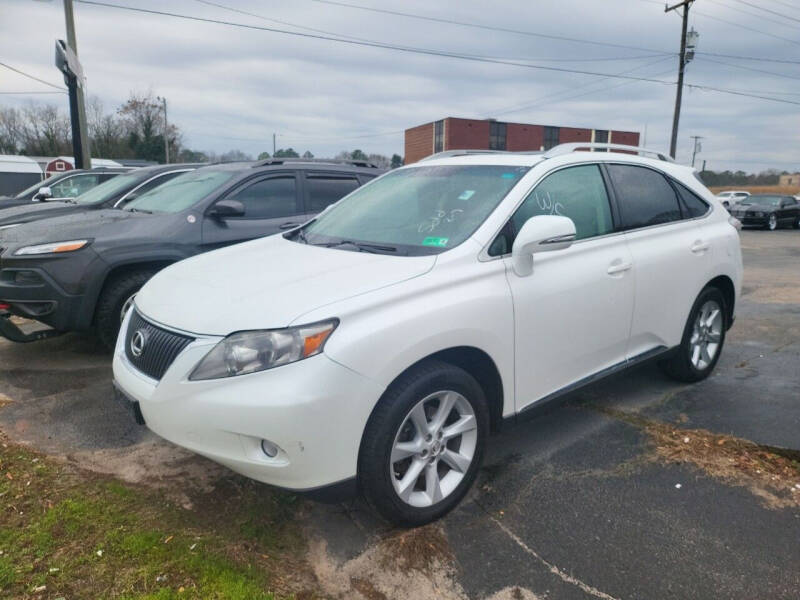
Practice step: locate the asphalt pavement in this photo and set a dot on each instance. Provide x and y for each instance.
(572, 504)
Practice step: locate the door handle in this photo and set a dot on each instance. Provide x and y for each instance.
(699, 247)
(288, 225)
(619, 267)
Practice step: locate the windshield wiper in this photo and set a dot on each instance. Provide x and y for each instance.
(361, 246)
(139, 210)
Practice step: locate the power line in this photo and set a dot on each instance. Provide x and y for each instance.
(752, 14)
(753, 58)
(29, 76)
(786, 4)
(739, 93)
(408, 49)
(531, 103)
(753, 29)
(753, 69)
(372, 41)
(485, 27)
(28, 93)
(774, 12)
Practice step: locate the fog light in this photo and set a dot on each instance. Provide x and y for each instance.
(269, 448)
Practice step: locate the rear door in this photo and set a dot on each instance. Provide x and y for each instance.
(671, 252)
(324, 188)
(272, 204)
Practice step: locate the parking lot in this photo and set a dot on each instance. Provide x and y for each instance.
(638, 487)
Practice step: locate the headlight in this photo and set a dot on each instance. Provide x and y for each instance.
(9, 226)
(52, 248)
(252, 351)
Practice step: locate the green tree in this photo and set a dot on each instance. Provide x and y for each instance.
(288, 153)
(358, 155)
(264, 156)
(307, 154)
(397, 161)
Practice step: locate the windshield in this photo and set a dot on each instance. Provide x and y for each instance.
(107, 190)
(768, 200)
(182, 192)
(420, 210)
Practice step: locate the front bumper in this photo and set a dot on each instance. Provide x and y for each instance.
(314, 410)
(752, 221)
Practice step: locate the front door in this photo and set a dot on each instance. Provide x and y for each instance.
(573, 313)
(271, 205)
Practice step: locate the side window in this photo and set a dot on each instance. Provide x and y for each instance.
(645, 197)
(153, 183)
(789, 201)
(72, 187)
(576, 192)
(324, 190)
(269, 198)
(693, 205)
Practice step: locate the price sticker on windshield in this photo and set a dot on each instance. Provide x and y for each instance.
(439, 242)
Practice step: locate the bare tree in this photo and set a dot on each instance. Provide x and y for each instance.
(45, 131)
(10, 134)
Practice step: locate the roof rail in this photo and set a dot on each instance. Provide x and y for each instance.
(330, 161)
(448, 153)
(573, 147)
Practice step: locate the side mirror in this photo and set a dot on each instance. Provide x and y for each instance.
(544, 233)
(44, 193)
(227, 208)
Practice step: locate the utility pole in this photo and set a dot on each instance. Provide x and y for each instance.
(696, 147)
(77, 106)
(273, 145)
(681, 65)
(166, 132)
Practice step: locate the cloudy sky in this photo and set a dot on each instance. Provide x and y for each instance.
(232, 87)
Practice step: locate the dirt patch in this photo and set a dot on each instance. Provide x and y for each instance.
(759, 189)
(772, 474)
(389, 568)
(4, 400)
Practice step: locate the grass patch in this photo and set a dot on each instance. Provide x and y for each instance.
(84, 536)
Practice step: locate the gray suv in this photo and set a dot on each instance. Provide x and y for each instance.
(80, 271)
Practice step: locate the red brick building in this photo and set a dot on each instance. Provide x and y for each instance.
(453, 133)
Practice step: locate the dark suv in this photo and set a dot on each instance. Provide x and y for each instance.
(80, 271)
(115, 193)
(68, 184)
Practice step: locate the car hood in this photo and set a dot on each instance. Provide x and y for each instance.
(77, 223)
(32, 211)
(266, 284)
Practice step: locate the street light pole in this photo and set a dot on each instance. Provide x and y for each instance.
(681, 66)
(77, 105)
(696, 147)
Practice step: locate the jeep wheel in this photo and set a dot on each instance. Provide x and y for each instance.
(423, 444)
(116, 297)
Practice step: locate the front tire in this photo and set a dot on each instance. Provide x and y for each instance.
(117, 295)
(772, 223)
(423, 444)
(703, 338)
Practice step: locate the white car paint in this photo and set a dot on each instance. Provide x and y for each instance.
(582, 310)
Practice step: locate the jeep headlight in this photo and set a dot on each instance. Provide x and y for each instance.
(52, 248)
(252, 351)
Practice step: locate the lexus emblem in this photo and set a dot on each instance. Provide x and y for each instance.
(137, 343)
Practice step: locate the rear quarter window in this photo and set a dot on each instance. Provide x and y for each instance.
(645, 196)
(693, 205)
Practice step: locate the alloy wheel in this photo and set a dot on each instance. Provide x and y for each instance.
(706, 335)
(433, 448)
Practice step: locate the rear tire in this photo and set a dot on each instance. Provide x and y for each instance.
(416, 463)
(118, 291)
(703, 339)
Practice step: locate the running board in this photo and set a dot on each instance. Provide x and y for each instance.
(533, 408)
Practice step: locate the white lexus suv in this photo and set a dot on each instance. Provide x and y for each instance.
(379, 344)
